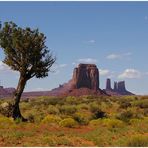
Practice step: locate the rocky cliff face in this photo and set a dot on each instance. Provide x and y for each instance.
(108, 84)
(86, 76)
(85, 81)
(119, 88)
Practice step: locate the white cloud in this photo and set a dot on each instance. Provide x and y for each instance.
(104, 72)
(36, 89)
(74, 63)
(146, 18)
(114, 56)
(130, 73)
(56, 68)
(91, 41)
(87, 61)
(4, 67)
(62, 65)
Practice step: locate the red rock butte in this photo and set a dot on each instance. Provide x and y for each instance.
(86, 76)
(85, 81)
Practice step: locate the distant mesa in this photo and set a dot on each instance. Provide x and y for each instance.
(6, 92)
(85, 81)
(119, 88)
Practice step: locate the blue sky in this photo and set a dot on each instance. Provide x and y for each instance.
(113, 35)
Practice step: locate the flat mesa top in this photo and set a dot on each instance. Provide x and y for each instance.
(86, 65)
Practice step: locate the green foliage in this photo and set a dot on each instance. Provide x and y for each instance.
(5, 122)
(138, 141)
(51, 119)
(44, 129)
(25, 50)
(113, 123)
(125, 115)
(81, 118)
(142, 103)
(53, 109)
(68, 109)
(71, 100)
(135, 121)
(95, 122)
(68, 122)
(94, 107)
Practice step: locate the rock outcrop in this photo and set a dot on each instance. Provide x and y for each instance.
(119, 88)
(85, 81)
(6, 92)
(86, 76)
(108, 84)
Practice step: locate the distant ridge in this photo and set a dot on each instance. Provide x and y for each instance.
(119, 88)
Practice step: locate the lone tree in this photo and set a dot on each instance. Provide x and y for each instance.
(25, 52)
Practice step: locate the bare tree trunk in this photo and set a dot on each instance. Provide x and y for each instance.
(20, 88)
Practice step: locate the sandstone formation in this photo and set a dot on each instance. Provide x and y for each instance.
(108, 84)
(85, 81)
(119, 88)
(86, 76)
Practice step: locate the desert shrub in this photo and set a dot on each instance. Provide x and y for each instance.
(31, 118)
(138, 141)
(112, 123)
(142, 103)
(146, 112)
(18, 120)
(71, 100)
(83, 106)
(94, 107)
(99, 114)
(52, 109)
(125, 115)
(50, 101)
(135, 121)
(125, 104)
(51, 119)
(81, 118)
(5, 122)
(144, 97)
(95, 122)
(68, 109)
(68, 122)
(96, 111)
(6, 109)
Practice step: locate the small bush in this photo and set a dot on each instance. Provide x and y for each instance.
(143, 103)
(52, 109)
(99, 114)
(71, 100)
(68, 122)
(125, 104)
(81, 118)
(83, 106)
(31, 118)
(6, 109)
(138, 141)
(113, 123)
(125, 115)
(51, 119)
(135, 121)
(68, 109)
(95, 122)
(94, 107)
(4, 121)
